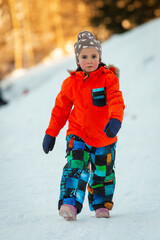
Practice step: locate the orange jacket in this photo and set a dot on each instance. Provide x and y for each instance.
(88, 103)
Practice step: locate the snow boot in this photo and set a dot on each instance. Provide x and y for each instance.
(68, 212)
(102, 213)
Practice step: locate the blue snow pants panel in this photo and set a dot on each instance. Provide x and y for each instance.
(75, 174)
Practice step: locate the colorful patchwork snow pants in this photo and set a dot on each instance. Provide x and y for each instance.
(84, 161)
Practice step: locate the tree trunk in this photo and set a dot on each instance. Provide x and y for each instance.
(17, 35)
(27, 35)
(58, 24)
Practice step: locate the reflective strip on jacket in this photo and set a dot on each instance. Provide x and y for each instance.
(88, 103)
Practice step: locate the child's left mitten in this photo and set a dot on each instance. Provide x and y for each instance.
(112, 127)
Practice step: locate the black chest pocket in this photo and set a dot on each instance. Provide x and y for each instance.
(98, 97)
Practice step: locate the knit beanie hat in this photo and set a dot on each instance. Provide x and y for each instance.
(87, 39)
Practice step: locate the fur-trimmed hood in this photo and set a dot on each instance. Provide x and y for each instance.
(114, 69)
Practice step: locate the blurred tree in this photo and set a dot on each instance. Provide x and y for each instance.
(57, 20)
(121, 15)
(17, 35)
(23, 52)
(27, 35)
(5, 36)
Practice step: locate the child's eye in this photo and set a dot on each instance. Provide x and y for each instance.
(84, 57)
(94, 56)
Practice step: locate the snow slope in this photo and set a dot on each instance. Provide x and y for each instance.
(29, 179)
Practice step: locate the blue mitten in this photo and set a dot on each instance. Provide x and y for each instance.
(48, 143)
(112, 127)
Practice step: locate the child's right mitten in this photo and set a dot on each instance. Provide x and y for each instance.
(48, 143)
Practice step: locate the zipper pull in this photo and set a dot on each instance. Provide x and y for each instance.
(87, 76)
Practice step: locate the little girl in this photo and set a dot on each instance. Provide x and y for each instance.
(92, 103)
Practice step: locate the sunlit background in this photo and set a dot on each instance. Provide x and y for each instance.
(32, 31)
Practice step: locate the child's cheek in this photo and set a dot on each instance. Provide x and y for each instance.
(96, 63)
(83, 64)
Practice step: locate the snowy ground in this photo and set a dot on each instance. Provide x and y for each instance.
(29, 179)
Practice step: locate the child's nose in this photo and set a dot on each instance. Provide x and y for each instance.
(89, 60)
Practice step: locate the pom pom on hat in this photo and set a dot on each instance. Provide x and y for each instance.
(87, 39)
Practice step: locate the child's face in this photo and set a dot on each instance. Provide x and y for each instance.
(89, 59)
